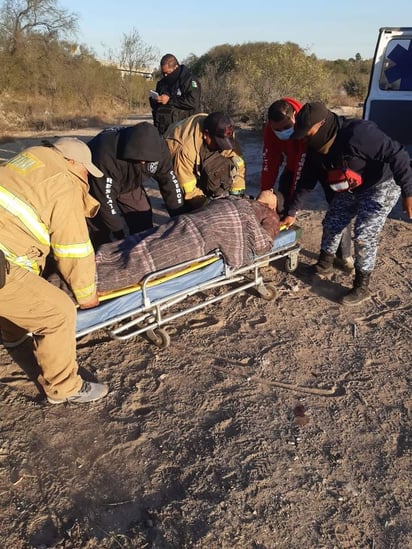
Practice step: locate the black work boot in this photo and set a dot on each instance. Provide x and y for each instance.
(325, 263)
(360, 291)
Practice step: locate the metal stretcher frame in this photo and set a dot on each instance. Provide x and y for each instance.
(146, 308)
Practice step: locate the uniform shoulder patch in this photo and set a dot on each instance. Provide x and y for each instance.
(24, 162)
(152, 167)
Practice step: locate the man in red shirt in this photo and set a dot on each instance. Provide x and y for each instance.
(279, 148)
(280, 152)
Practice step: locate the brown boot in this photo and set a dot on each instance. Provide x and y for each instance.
(345, 264)
(360, 291)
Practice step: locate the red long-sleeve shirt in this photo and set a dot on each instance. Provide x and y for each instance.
(276, 151)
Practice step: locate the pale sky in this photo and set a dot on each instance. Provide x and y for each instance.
(329, 29)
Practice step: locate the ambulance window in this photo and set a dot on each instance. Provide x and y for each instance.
(397, 67)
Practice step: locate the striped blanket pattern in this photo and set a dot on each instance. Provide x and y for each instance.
(230, 224)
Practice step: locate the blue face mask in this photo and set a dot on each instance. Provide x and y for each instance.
(284, 134)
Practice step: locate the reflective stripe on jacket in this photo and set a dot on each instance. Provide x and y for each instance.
(43, 206)
(20, 261)
(25, 214)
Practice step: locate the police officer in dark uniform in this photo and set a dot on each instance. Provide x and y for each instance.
(128, 157)
(367, 171)
(178, 94)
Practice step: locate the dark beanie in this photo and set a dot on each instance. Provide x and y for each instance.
(140, 142)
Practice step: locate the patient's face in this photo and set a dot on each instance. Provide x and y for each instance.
(268, 198)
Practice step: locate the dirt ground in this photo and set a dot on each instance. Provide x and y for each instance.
(196, 447)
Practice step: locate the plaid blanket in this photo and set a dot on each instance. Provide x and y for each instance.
(231, 224)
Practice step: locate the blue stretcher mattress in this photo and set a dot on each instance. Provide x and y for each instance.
(132, 302)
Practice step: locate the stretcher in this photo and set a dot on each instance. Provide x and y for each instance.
(163, 296)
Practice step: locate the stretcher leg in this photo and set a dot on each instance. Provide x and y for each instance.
(291, 262)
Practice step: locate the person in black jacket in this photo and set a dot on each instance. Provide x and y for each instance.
(178, 94)
(367, 170)
(128, 157)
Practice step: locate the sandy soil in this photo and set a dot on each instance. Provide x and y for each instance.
(196, 447)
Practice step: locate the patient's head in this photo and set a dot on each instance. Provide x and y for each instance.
(268, 198)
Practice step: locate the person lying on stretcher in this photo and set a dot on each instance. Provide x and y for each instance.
(240, 228)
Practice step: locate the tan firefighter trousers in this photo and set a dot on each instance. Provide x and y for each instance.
(31, 304)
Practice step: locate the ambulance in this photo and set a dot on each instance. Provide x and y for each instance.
(389, 97)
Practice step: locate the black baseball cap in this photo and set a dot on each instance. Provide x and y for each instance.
(309, 115)
(220, 126)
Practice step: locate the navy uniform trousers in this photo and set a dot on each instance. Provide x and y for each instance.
(370, 207)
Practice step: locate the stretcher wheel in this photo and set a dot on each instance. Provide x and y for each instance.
(291, 263)
(159, 337)
(267, 292)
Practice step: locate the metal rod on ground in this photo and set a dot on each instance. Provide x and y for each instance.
(335, 390)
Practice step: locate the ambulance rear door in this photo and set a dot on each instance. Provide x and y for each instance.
(389, 99)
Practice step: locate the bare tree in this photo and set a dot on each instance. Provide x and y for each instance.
(21, 18)
(135, 54)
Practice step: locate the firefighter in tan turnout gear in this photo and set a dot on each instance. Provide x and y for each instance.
(206, 158)
(44, 202)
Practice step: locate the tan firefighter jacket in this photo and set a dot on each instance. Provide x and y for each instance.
(43, 205)
(184, 140)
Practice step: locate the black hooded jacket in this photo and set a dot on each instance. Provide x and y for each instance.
(184, 92)
(116, 151)
(361, 146)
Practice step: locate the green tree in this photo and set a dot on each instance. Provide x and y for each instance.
(246, 78)
(355, 87)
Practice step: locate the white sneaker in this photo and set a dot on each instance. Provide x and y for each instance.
(17, 342)
(88, 392)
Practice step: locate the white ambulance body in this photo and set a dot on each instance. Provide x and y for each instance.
(389, 99)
